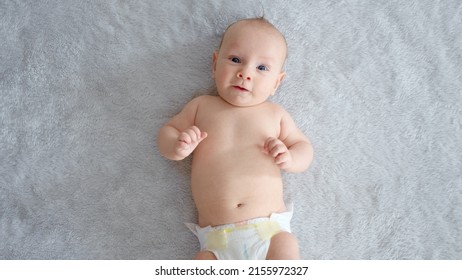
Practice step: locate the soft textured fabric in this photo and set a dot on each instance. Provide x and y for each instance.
(85, 86)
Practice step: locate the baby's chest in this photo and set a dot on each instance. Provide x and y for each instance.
(233, 126)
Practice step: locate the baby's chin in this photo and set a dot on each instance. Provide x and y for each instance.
(242, 102)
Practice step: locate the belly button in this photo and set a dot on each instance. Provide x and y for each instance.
(240, 205)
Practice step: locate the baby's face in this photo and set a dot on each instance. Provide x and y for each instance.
(248, 67)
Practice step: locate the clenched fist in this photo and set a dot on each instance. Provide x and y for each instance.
(188, 140)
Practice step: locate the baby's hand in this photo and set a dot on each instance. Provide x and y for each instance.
(278, 150)
(188, 141)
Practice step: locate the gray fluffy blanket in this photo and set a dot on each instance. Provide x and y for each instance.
(85, 86)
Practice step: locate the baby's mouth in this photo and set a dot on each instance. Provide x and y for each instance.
(240, 88)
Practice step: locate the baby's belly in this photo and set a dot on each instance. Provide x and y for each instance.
(234, 187)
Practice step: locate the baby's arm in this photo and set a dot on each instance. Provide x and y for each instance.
(179, 137)
(292, 151)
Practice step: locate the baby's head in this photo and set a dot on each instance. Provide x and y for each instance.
(248, 67)
(259, 20)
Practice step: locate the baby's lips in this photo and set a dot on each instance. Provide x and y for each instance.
(240, 88)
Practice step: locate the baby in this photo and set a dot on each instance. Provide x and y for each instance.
(241, 142)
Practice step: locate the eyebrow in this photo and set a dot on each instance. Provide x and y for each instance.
(235, 51)
(270, 58)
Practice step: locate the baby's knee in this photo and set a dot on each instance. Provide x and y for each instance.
(205, 255)
(283, 246)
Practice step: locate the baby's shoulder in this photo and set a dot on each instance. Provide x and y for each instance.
(200, 101)
(275, 109)
(204, 99)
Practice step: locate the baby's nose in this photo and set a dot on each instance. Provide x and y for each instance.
(247, 77)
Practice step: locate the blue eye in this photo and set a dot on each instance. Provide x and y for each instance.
(262, 68)
(235, 59)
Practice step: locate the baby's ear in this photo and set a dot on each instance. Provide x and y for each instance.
(214, 63)
(281, 77)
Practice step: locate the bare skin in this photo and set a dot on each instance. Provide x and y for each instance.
(240, 141)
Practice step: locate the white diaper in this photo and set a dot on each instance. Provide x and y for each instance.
(244, 241)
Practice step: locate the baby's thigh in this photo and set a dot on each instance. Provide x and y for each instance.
(283, 246)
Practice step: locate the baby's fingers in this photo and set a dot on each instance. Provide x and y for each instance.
(196, 134)
(192, 136)
(189, 136)
(274, 147)
(203, 136)
(282, 158)
(269, 143)
(181, 145)
(278, 149)
(185, 138)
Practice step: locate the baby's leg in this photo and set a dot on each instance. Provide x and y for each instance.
(205, 255)
(283, 246)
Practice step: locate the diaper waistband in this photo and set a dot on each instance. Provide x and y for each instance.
(217, 238)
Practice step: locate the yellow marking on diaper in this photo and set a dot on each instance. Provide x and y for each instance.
(218, 239)
(268, 229)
